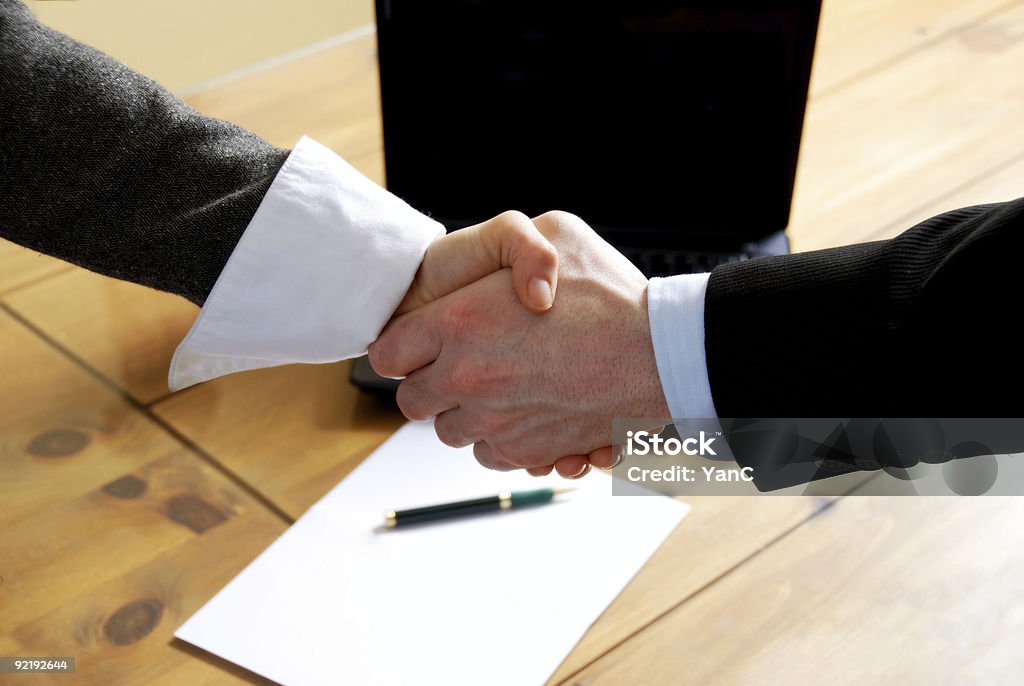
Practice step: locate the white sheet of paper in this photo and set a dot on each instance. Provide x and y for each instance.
(492, 599)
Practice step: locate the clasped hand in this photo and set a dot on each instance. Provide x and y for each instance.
(529, 379)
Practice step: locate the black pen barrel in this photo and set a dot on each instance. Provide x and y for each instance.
(431, 512)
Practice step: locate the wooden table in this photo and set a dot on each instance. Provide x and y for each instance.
(125, 508)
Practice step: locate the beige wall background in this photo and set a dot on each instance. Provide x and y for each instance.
(183, 44)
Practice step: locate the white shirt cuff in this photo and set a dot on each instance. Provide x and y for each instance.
(676, 311)
(325, 261)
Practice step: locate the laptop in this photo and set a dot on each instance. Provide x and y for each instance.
(672, 128)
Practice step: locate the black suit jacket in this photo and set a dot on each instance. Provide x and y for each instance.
(102, 167)
(924, 325)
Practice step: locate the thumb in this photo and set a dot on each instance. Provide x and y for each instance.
(509, 240)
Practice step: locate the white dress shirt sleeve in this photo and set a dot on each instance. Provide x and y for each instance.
(325, 261)
(676, 311)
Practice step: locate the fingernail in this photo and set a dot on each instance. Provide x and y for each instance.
(583, 470)
(615, 463)
(540, 293)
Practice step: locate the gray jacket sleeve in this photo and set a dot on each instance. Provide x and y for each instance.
(102, 167)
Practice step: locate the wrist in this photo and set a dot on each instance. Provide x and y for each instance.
(656, 393)
(648, 399)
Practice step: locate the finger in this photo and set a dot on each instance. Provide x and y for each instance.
(407, 343)
(421, 396)
(572, 467)
(540, 471)
(469, 254)
(534, 260)
(488, 457)
(450, 427)
(604, 458)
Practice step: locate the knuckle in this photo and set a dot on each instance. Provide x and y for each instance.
(557, 221)
(408, 399)
(513, 218)
(546, 252)
(465, 378)
(517, 229)
(484, 455)
(379, 356)
(507, 455)
(488, 456)
(448, 432)
(521, 459)
(507, 459)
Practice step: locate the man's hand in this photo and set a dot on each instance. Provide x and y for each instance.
(467, 255)
(527, 388)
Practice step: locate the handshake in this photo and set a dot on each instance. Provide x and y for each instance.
(524, 338)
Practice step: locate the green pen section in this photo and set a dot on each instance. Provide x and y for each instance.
(537, 497)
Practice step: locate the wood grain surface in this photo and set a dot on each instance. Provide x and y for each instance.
(111, 532)
(125, 508)
(874, 590)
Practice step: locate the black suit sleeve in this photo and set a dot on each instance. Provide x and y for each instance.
(923, 325)
(102, 167)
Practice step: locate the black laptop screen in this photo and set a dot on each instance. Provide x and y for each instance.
(646, 116)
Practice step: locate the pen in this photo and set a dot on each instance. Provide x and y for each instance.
(506, 500)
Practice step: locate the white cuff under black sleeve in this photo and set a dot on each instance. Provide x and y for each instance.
(676, 311)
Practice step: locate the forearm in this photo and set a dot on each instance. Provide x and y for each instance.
(906, 327)
(104, 168)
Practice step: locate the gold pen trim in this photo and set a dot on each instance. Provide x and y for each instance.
(390, 519)
(505, 500)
